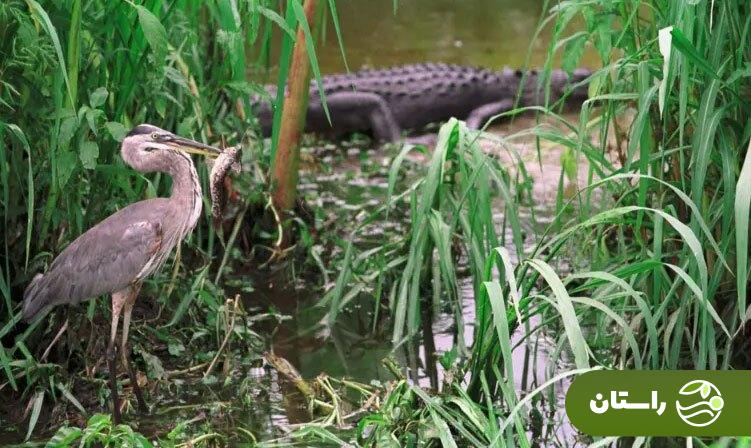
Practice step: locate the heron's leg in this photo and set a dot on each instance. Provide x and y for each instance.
(118, 299)
(125, 347)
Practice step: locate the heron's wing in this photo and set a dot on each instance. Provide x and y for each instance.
(105, 259)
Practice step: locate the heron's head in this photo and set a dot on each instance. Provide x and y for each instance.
(149, 148)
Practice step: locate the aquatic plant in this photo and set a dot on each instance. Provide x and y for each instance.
(99, 431)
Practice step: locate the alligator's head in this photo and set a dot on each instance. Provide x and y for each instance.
(575, 86)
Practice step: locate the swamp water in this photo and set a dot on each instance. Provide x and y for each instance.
(356, 183)
(484, 33)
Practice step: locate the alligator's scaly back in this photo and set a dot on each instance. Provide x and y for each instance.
(389, 101)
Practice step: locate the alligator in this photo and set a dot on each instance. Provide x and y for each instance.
(387, 102)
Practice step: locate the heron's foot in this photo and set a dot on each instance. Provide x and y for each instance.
(117, 417)
(277, 254)
(112, 366)
(133, 375)
(142, 408)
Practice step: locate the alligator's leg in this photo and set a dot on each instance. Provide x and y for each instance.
(478, 117)
(355, 111)
(426, 140)
(383, 124)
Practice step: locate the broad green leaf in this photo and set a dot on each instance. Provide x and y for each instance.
(64, 438)
(66, 163)
(154, 31)
(89, 154)
(566, 310)
(68, 129)
(98, 97)
(116, 130)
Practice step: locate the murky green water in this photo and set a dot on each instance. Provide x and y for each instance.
(353, 349)
(486, 33)
(489, 33)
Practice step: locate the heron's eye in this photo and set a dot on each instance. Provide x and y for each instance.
(155, 136)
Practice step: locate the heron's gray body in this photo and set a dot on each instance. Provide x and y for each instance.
(85, 269)
(114, 256)
(122, 249)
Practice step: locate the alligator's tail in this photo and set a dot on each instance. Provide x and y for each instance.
(36, 298)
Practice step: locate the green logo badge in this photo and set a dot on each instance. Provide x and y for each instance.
(703, 404)
(660, 403)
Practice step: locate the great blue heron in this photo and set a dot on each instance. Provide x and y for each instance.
(115, 256)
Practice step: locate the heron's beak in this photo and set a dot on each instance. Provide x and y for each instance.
(194, 147)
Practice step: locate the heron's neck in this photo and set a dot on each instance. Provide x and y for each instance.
(186, 189)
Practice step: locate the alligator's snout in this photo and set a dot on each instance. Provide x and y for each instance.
(578, 80)
(581, 74)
